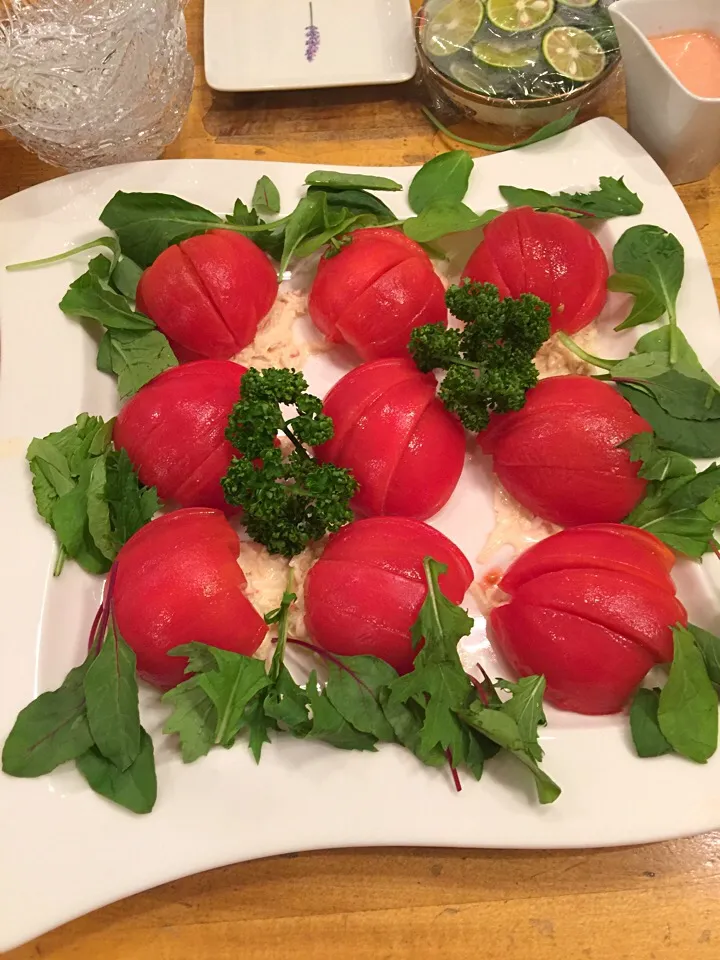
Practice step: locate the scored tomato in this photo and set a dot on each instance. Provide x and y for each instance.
(366, 590)
(374, 291)
(561, 455)
(546, 254)
(591, 609)
(178, 581)
(208, 294)
(173, 430)
(400, 443)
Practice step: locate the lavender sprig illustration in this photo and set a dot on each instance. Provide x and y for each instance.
(312, 39)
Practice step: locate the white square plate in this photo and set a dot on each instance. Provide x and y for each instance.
(295, 44)
(65, 851)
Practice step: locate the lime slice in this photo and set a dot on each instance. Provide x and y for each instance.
(574, 54)
(505, 56)
(578, 4)
(472, 77)
(515, 16)
(453, 27)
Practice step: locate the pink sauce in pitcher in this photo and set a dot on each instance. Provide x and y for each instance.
(694, 58)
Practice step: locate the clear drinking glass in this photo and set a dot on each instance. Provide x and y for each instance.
(85, 83)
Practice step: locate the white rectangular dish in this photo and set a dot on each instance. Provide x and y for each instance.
(63, 850)
(295, 45)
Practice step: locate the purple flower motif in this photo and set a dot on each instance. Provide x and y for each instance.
(312, 39)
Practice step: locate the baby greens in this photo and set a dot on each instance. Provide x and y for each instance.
(93, 719)
(88, 493)
(612, 199)
(435, 711)
(682, 717)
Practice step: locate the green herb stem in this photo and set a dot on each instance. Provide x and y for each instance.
(551, 129)
(294, 440)
(570, 344)
(59, 561)
(109, 242)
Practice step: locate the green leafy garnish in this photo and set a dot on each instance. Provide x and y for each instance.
(132, 347)
(647, 736)
(288, 501)
(489, 362)
(688, 704)
(91, 718)
(350, 181)
(431, 711)
(612, 199)
(442, 217)
(649, 305)
(88, 492)
(445, 177)
(681, 507)
(551, 129)
(266, 198)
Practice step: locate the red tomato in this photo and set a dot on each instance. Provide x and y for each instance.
(524, 251)
(208, 294)
(401, 444)
(174, 431)
(591, 609)
(559, 455)
(375, 291)
(178, 581)
(365, 592)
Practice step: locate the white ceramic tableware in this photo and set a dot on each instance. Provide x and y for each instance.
(296, 44)
(680, 130)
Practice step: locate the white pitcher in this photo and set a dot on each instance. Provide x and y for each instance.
(679, 129)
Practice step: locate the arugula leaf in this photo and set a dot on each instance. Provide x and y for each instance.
(132, 348)
(307, 219)
(130, 504)
(148, 223)
(134, 788)
(266, 198)
(657, 257)
(678, 506)
(356, 201)
(502, 728)
(125, 277)
(136, 359)
(551, 129)
(258, 724)
(688, 707)
(694, 438)
(354, 692)
(243, 216)
(686, 398)
(111, 700)
(648, 306)
(329, 725)
(646, 733)
(525, 706)
(230, 684)
(709, 646)
(351, 181)
(442, 217)
(438, 676)
(286, 703)
(49, 731)
(194, 718)
(71, 525)
(406, 720)
(445, 177)
(612, 199)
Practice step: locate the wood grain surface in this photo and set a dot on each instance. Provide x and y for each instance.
(659, 902)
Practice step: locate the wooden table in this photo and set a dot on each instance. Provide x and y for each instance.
(658, 902)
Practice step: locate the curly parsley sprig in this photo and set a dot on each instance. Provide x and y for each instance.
(288, 501)
(489, 362)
